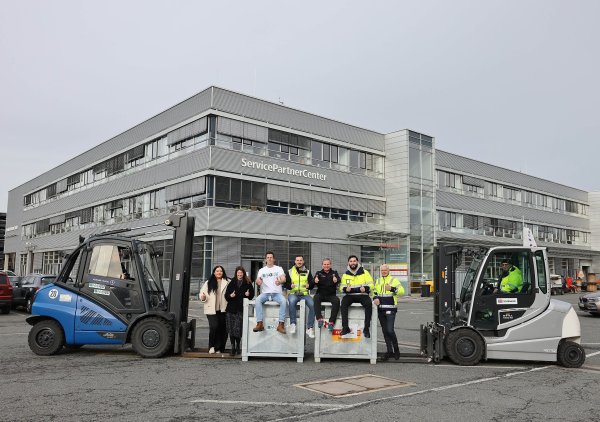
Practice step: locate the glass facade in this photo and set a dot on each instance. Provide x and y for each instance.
(421, 203)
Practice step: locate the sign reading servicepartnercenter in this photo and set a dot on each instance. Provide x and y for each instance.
(276, 168)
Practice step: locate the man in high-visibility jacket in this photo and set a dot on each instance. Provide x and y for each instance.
(386, 291)
(356, 284)
(299, 282)
(511, 278)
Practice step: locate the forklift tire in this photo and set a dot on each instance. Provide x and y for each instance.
(46, 338)
(570, 354)
(153, 338)
(464, 347)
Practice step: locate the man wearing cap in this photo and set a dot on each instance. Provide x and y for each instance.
(511, 278)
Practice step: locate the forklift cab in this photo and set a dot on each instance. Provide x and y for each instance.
(118, 273)
(504, 288)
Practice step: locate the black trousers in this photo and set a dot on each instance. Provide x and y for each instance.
(364, 300)
(335, 306)
(387, 320)
(217, 331)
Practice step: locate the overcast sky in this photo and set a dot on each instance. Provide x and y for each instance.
(511, 83)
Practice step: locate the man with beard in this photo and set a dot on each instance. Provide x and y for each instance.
(511, 279)
(356, 284)
(299, 282)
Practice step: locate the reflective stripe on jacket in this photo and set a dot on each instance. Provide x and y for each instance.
(362, 278)
(513, 282)
(388, 297)
(300, 280)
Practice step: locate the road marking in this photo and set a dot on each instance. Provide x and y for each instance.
(592, 354)
(411, 310)
(399, 396)
(271, 403)
(13, 334)
(590, 344)
(481, 366)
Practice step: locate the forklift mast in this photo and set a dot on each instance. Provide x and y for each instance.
(179, 286)
(446, 260)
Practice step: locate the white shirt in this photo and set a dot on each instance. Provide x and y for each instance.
(269, 276)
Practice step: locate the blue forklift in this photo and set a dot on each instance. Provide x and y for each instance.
(109, 292)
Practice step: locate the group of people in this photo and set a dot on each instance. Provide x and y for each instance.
(223, 300)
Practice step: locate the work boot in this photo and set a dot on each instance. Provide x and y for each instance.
(281, 328)
(367, 332)
(396, 352)
(386, 356)
(259, 327)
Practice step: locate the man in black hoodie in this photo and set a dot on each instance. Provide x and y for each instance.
(326, 281)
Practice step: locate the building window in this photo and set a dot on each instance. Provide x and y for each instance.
(320, 212)
(278, 207)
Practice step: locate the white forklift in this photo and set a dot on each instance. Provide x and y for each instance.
(491, 322)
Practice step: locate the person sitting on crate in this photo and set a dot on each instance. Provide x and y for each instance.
(270, 278)
(386, 291)
(326, 283)
(299, 282)
(356, 284)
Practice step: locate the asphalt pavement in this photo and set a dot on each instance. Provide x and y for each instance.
(101, 383)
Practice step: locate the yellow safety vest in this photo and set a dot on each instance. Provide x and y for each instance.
(358, 280)
(300, 280)
(382, 292)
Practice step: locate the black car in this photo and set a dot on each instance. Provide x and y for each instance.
(590, 303)
(24, 290)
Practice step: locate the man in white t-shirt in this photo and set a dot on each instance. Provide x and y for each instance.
(270, 278)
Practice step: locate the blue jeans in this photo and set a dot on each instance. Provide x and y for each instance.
(271, 297)
(294, 299)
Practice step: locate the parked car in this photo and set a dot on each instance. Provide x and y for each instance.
(6, 293)
(590, 303)
(25, 289)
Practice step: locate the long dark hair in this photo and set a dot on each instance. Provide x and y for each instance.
(212, 281)
(245, 279)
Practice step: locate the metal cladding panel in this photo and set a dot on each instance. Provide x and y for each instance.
(227, 251)
(360, 204)
(144, 179)
(186, 189)
(278, 193)
(338, 254)
(554, 249)
(321, 199)
(295, 227)
(467, 204)
(339, 201)
(162, 121)
(231, 161)
(300, 196)
(277, 114)
(377, 207)
(594, 199)
(490, 172)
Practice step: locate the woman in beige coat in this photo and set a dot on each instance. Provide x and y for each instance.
(212, 295)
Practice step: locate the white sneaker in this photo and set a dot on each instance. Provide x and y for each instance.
(310, 332)
(292, 328)
(212, 350)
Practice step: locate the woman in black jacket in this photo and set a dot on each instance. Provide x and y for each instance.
(237, 290)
